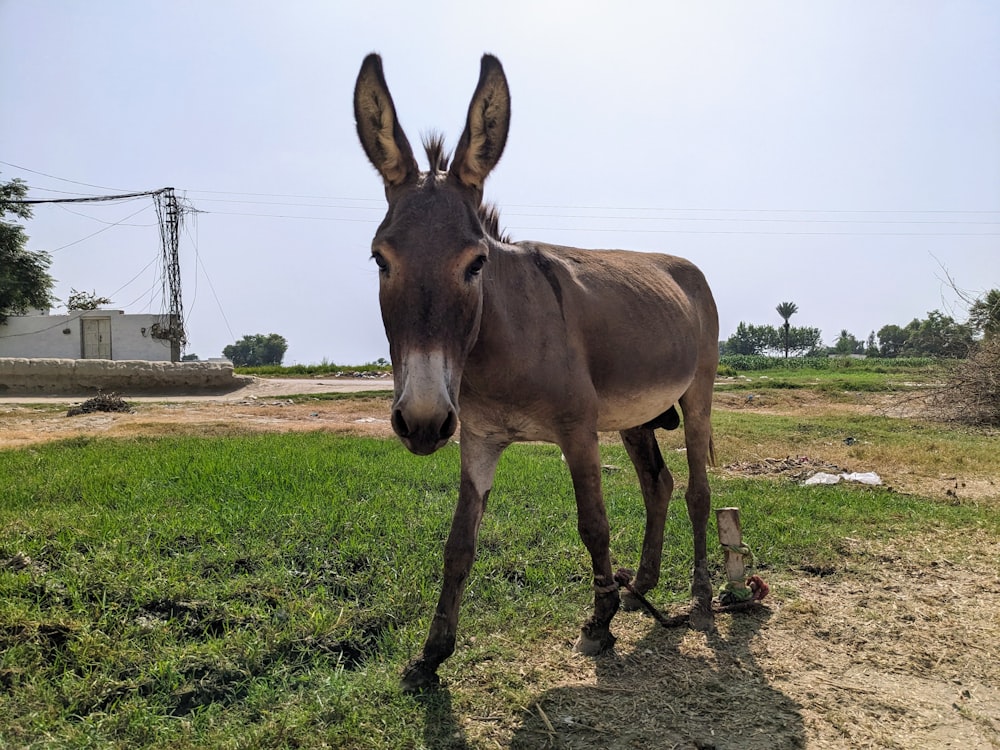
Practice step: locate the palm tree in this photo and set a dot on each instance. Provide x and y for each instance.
(787, 310)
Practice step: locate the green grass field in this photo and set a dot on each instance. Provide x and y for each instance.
(265, 591)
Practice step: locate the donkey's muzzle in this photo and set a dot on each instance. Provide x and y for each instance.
(424, 436)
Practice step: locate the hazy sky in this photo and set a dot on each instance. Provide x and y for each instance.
(841, 155)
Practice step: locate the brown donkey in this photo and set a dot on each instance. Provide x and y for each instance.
(528, 341)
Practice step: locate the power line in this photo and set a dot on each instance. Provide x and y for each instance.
(758, 215)
(288, 195)
(214, 294)
(755, 232)
(650, 230)
(763, 210)
(102, 221)
(675, 209)
(692, 209)
(290, 216)
(99, 231)
(91, 198)
(54, 177)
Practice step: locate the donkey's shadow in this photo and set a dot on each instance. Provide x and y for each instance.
(672, 688)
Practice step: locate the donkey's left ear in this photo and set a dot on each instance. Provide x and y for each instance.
(486, 127)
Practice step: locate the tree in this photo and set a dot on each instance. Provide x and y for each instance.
(847, 344)
(24, 278)
(754, 339)
(257, 350)
(85, 300)
(804, 340)
(787, 310)
(891, 340)
(750, 339)
(937, 336)
(984, 315)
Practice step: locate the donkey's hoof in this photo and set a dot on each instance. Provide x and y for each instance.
(418, 677)
(593, 644)
(701, 618)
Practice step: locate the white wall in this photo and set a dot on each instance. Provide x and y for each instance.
(40, 335)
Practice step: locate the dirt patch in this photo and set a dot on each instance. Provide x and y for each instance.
(859, 659)
(263, 406)
(816, 403)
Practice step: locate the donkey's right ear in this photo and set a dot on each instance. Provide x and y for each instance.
(381, 136)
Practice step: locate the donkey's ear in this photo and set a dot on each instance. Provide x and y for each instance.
(486, 127)
(381, 135)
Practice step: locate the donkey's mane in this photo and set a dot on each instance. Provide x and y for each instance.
(436, 154)
(489, 215)
(438, 159)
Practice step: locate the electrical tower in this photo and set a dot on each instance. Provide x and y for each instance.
(170, 214)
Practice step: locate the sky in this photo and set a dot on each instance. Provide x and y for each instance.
(844, 156)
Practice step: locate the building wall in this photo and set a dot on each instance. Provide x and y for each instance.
(61, 336)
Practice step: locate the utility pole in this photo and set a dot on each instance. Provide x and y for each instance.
(170, 213)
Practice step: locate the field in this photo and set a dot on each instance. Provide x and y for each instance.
(254, 572)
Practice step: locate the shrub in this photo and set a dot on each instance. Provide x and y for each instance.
(971, 391)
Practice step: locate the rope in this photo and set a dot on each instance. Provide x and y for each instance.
(757, 588)
(741, 549)
(737, 592)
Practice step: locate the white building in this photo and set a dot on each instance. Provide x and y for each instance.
(87, 334)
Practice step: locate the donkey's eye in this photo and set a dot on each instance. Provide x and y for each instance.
(476, 266)
(381, 262)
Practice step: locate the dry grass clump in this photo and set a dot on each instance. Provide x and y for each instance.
(110, 402)
(971, 391)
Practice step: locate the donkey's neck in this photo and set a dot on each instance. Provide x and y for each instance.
(522, 317)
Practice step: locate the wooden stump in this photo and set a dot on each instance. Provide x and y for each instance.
(731, 539)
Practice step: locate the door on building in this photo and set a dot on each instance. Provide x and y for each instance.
(96, 338)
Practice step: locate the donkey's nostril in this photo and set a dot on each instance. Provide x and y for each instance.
(450, 423)
(399, 424)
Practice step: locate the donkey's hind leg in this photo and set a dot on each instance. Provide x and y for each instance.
(697, 407)
(657, 484)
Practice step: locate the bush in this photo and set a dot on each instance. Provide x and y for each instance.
(971, 391)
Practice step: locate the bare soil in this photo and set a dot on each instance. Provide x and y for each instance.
(261, 406)
(895, 647)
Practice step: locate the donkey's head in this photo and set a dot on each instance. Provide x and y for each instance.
(431, 248)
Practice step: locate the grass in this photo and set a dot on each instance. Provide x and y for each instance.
(858, 442)
(324, 368)
(830, 375)
(265, 591)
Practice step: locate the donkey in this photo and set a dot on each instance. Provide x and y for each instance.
(527, 341)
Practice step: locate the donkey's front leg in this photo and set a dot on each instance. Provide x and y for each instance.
(479, 462)
(584, 461)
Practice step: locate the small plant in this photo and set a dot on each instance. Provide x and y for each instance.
(85, 300)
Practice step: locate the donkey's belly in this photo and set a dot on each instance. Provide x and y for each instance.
(622, 411)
